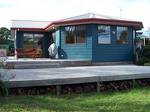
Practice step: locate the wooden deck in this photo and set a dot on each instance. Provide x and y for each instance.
(76, 75)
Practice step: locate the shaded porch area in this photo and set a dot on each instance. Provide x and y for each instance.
(33, 44)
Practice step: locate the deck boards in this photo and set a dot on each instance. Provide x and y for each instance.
(75, 75)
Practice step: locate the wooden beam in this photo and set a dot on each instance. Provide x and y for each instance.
(98, 86)
(134, 83)
(58, 90)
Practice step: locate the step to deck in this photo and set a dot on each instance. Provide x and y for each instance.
(35, 64)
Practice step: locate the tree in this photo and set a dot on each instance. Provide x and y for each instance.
(4, 34)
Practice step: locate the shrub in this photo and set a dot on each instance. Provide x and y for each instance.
(141, 61)
(146, 52)
(5, 76)
(143, 55)
(146, 64)
(3, 89)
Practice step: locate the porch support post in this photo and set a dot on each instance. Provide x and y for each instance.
(134, 83)
(14, 34)
(98, 86)
(58, 90)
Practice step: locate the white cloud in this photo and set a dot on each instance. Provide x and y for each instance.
(59, 9)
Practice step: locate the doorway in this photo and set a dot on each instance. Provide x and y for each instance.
(33, 42)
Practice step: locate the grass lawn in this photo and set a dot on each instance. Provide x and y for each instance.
(135, 100)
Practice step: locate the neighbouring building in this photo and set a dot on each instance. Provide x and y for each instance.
(90, 36)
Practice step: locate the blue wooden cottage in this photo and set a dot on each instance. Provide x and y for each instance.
(90, 36)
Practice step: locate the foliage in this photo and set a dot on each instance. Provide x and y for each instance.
(143, 55)
(146, 52)
(138, 39)
(3, 88)
(11, 48)
(5, 76)
(4, 33)
(146, 64)
(6, 39)
(135, 100)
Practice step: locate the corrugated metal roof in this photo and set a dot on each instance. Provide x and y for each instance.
(97, 16)
(29, 24)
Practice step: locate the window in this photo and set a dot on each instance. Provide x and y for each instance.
(80, 34)
(104, 34)
(75, 34)
(28, 40)
(122, 35)
(70, 34)
(32, 40)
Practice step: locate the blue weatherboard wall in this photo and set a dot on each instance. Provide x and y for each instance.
(112, 52)
(91, 50)
(76, 51)
(94, 51)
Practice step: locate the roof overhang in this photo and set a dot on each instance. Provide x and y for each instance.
(136, 24)
(29, 25)
(29, 29)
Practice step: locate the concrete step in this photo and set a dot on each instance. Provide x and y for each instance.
(35, 64)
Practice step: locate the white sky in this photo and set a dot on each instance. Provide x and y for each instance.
(58, 9)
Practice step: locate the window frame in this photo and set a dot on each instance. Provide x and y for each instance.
(75, 35)
(110, 42)
(33, 36)
(127, 40)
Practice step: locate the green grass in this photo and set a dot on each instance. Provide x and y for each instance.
(135, 100)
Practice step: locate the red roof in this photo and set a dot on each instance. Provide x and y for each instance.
(89, 18)
(137, 25)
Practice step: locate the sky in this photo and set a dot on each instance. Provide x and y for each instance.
(50, 10)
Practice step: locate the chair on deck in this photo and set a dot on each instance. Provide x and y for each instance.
(30, 52)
